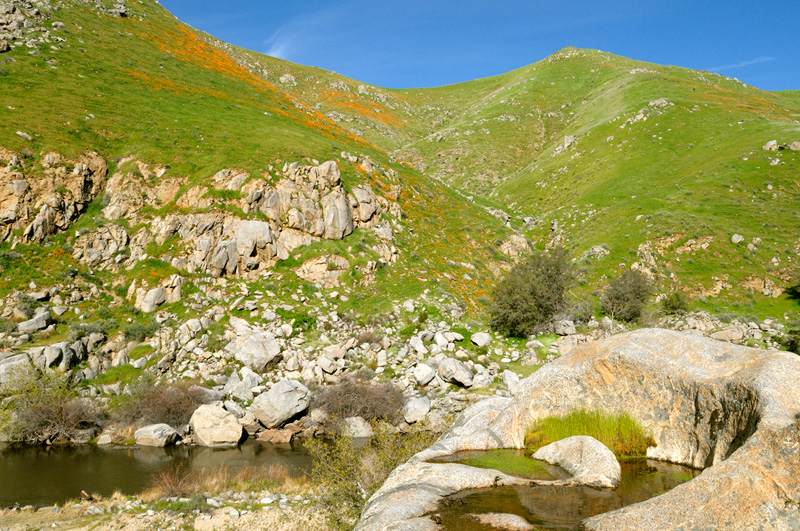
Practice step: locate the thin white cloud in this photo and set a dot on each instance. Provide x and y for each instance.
(311, 30)
(742, 64)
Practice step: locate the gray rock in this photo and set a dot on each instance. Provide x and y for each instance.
(156, 435)
(772, 145)
(795, 146)
(283, 401)
(737, 238)
(418, 346)
(564, 328)
(39, 322)
(215, 427)
(356, 427)
(511, 379)
(588, 460)
(416, 409)
(424, 373)
(454, 371)
(11, 363)
(154, 298)
(481, 339)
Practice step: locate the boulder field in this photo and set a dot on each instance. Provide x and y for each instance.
(733, 411)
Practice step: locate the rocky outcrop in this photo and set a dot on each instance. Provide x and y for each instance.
(587, 459)
(50, 202)
(729, 409)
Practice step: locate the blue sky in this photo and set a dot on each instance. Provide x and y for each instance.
(423, 43)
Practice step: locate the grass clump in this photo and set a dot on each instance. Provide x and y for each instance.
(141, 331)
(620, 432)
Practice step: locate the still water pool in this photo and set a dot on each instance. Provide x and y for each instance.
(42, 476)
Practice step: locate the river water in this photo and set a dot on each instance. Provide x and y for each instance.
(43, 476)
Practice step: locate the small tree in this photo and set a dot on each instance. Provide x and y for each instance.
(627, 295)
(675, 302)
(532, 293)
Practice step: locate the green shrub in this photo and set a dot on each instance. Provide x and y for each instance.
(532, 293)
(80, 330)
(675, 302)
(40, 407)
(353, 398)
(141, 331)
(348, 474)
(618, 431)
(627, 295)
(27, 304)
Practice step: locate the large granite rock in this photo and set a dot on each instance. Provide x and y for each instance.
(729, 409)
(156, 435)
(215, 427)
(283, 401)
(586, 458)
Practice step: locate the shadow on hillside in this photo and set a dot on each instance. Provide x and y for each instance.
(794, 292)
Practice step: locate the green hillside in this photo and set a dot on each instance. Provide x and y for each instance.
(662, 167)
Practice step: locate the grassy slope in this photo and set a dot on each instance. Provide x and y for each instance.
(159, 92)
(682, 171)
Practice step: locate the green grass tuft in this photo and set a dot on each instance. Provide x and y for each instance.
(618, 431)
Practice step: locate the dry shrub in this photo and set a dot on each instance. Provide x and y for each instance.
(41, 407)
(354, 398)
(182, 481)
(369, 336)
(171, 404)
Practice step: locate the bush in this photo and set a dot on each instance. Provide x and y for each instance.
(626, 296)
(368, 336)
(27, 304)
(532, 293)
(349, 474)
(675, 302)
(353, 398)
(147, 403)
(141, 331)
(620, 432)
(791, 341)
(42, 408)
(80, 330)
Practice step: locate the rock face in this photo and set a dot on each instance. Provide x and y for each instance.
(156, 435)
(586, 458)
(215, 427)
(283, 401)
(729, 409)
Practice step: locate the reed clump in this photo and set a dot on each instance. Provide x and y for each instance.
(620, 432)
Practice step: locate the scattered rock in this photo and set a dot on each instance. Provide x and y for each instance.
(356, 427)
(481, 339)
(772, 145)
(564, 328)
(737, 238)
(454, 371)
(416, 409)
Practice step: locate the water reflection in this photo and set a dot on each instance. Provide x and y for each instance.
(46, 475)
(564, 508)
